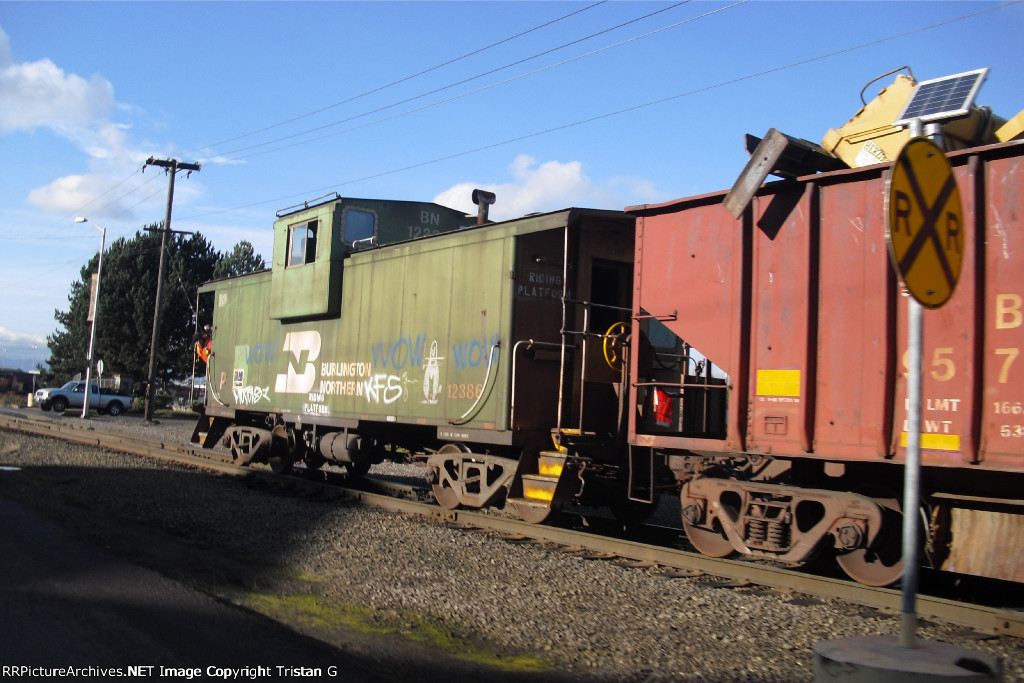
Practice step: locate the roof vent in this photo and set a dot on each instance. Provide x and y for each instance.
(482, 199)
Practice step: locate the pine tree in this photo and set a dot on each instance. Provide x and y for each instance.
(124, 322)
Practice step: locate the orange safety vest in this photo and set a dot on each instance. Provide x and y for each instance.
(203, 350)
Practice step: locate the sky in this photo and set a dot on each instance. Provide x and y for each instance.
(547, 104)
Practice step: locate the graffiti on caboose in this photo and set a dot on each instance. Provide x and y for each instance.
(385, 388)
(397, 354)
(249, 395)
(411, 352)
(432, 376)
(246, 394)
(264, 352)
(358, 379)
(475, 352)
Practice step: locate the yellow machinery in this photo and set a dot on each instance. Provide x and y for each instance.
(871, 138)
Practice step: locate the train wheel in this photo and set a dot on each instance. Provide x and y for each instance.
(443, 491)
(711, 542)
(708, 542)
(881, 564)
(446, 497)
(281, 453)
(313, 460)
(279, 463)
(357, 470)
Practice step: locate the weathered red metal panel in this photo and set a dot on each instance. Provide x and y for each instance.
(949, 357)
(689, 272)
(1002, 402)
(784, 320)
(798, 302)
(856, 297)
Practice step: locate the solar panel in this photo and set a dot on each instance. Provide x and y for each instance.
(942, 98)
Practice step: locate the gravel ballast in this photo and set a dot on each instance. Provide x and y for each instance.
(351, 575)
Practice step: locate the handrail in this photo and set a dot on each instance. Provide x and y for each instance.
(530, 343)
(210, 390)
(682, 385)
(490, 364)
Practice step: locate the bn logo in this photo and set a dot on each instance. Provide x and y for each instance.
(301, 373)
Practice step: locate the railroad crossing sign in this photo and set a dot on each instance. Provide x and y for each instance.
(925, 222)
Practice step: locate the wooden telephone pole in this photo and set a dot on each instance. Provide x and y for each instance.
(172, 166)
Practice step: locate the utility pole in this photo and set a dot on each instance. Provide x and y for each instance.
(173, 166)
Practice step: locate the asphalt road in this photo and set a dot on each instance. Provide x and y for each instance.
(66, 603)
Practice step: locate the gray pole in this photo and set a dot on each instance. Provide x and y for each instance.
(159, 294)
(912, 467)
(172, 166)
(95, 314)
(911, 473)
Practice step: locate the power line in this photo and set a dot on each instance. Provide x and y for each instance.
(471, 92)
(611, 114)
(83, 208)
(470, 79)
(401, 80)
(399, 103)
(67, 218)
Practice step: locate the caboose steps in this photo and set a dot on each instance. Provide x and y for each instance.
(539, 486)
(539, 490)
(531, 510)
(551, 463)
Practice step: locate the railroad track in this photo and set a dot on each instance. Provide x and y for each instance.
(408, 500)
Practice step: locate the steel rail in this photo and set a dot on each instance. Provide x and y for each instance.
(979, 617)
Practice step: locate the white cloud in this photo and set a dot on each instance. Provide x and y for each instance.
(70, 193)
(23, 351)
(40, 95)
(8, 337)
(549, 186)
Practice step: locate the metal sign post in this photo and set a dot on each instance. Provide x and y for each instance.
(925, 232)
(911, 474)
(925, 235)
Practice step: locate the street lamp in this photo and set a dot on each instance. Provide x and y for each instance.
(95, 312)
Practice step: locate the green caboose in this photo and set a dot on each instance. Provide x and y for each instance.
(388, 326)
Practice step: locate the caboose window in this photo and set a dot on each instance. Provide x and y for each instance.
(302, 243)
(359, 225)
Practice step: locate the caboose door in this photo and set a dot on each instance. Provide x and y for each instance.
(602, 311)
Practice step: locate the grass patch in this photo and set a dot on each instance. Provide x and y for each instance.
(315, 611)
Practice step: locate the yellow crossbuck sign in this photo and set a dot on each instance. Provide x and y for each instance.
(925, 222)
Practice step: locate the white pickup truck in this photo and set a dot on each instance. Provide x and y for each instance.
(72, 395)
